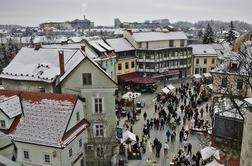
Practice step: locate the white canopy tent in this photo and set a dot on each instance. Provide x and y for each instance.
(214, 163)
(208, 152)
(210, 86)
(171, 87)
(131, 95)
(166, 90)
(127, 134)
(206, 75)
(197, 76)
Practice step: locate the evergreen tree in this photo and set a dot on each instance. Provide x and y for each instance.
(231, 34)
(200, 34)
(208, 35)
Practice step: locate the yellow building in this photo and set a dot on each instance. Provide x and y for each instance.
(125, 66)
(125, 56)
(204, 58)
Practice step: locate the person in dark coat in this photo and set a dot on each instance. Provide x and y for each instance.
(158, 148)
(189, 149)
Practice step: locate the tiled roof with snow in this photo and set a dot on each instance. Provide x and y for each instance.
(158, 36)
(100, 45)
(39, 65)
(225, 107)
(10, 106)
(45, 118)
(203, 50)
(120, 44)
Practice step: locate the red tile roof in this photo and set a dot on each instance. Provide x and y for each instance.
(37, 96)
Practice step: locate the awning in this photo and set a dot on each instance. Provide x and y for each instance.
(144, 80)
(131, 95)
(130, 76)
(166, 90)
(127, 134)
(208, 152)
(214, 163)
(164, 74)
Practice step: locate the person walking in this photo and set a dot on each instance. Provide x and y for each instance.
(207, 108)
(168, 134)
(201, 113)
(166, 148)
(181, 135)
(145, 116)
(148, 162)
(189, 149)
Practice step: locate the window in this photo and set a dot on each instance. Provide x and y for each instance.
(132, 64)
(77, 116)
(239, 84)
(47, 158)
(140, 66)
(2, 123)
(224, 82)
(119, 66)
(171, 43)
(126, 65)
(204, 70)
(99, 131)
(197, 61)
(182, 43)
(98, 105)
(80, 143)
(70, 152)
(99, 151)
(26, 154)
(213, 61)
(205, 61)
(196, 70)
(87, 79)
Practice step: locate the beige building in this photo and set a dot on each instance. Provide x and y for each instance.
(161, 54)
(204, 58)
(246, 149)
(96, 90)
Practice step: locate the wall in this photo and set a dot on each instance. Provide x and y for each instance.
(201, 64)
(73, 121)
(8, 121)
(36, 153)
(246, 155)
(124, 70)
(27, 85)
(231, 85)
(108, 64)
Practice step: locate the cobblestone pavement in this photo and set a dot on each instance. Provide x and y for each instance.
(197, 140)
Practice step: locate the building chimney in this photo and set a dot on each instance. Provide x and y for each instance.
(130, 31)
(83, 48)
(61, 62)
(37, 46)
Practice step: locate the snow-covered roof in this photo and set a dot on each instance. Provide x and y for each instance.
(206, 75)
(249, 101)
(76, 39)
(45, 118)
(203, 50)
(100, 45)
(10, 106)
(120, 44)
(158, 36)
(225, 107)
(39, 65)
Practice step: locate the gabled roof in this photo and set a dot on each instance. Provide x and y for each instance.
(120, 44)
(39, 65)
(75, 65)
(158, 36)
(10, 106)
(45, 118)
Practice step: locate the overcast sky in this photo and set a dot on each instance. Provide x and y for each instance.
(103, 12)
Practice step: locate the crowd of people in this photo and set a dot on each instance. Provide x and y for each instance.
(173, 112)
